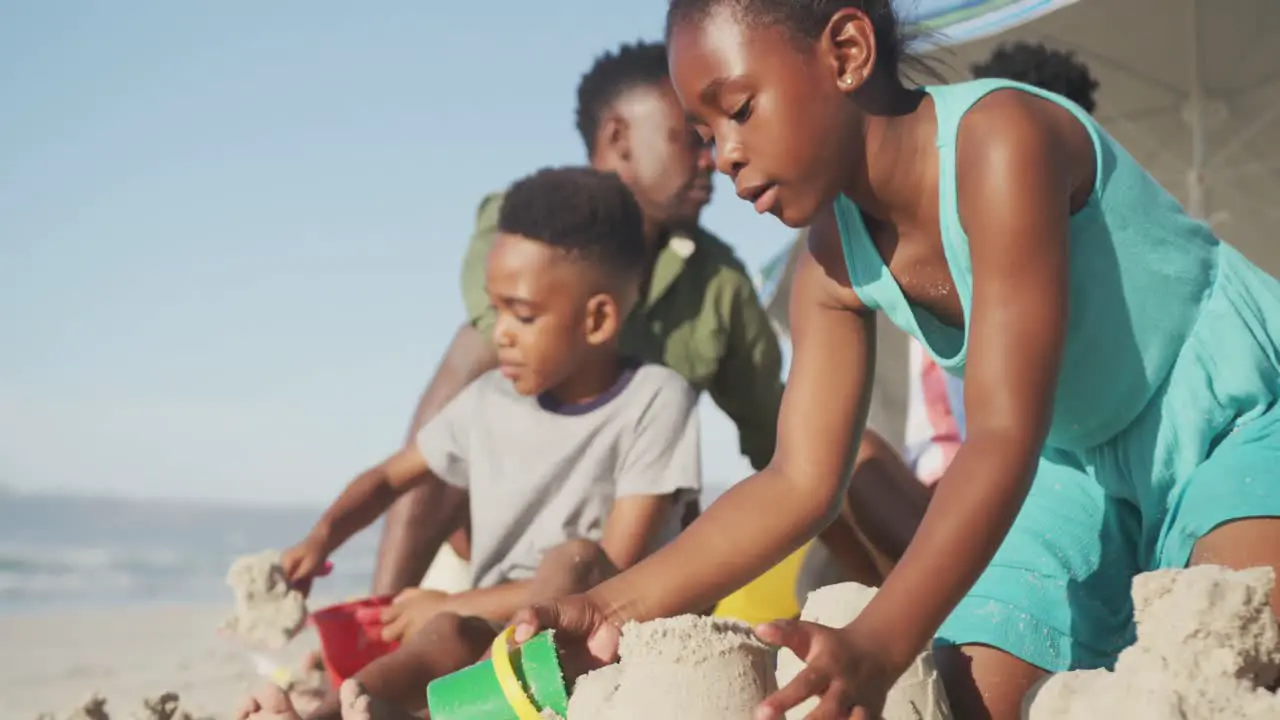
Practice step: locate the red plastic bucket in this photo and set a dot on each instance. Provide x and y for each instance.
(351, 636)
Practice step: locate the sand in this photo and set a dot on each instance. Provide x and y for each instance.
(52, 662)
(1208, 643)
(160, 663)
(683, 668)
(166, 706)
(268, 613)
(918, 694)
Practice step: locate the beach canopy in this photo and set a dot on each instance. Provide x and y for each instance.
(1191, 88)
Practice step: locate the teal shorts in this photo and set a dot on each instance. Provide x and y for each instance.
(1204, 451)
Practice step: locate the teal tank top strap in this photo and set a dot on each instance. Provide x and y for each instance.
(868, 276)
(876, 287)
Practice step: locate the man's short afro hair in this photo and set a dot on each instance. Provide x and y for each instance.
(585, 213)
(1036, 64)
(633, 65)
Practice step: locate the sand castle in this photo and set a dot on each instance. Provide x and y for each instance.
(1208, 647)
(682, 668)
(701, 668)
(268, 613)
(918, 694)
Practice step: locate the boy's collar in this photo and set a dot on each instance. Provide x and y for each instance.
(628, 369)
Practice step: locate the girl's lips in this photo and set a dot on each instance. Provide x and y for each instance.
(766, 200)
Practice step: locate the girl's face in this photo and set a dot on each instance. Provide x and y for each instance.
(778, 114)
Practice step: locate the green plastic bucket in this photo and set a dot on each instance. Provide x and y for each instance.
(476, 692)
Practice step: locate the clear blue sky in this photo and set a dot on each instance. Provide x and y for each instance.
(230, 233)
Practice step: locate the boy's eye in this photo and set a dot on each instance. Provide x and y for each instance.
(523, 317)
(743, 112)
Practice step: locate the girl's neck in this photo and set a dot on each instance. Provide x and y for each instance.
(897, 136)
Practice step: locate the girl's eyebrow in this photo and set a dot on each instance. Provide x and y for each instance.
(711, 92)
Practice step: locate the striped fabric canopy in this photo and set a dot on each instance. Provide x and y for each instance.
(949, 22)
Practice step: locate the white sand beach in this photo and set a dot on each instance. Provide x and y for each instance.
(52, 662)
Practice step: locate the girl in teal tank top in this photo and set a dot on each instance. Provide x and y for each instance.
(1120, 362)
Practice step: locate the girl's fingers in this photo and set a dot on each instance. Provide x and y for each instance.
(832, 706)
(809, 683)
(795, 635)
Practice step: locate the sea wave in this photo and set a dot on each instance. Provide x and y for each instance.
(61, 553)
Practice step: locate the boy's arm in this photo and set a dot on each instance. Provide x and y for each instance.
(367, 497)
(419, 522)
(439, 453)
(662, 464)
(632, 525)
(1016, 187)
(416, 524)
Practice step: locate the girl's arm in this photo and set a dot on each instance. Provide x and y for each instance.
(770, 514)
(1017, 177)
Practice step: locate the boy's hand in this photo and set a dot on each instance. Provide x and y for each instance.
(848, 676)
(302, 563)
(410, 611)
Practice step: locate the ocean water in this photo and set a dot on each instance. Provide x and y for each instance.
(68, 551)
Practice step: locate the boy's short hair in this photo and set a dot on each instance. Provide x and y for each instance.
(1046, 68)
(585, 213)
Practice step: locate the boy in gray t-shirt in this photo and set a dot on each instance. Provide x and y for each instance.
(540, 472)
(577, 462)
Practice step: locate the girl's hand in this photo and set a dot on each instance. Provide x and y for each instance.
(587, 636)
(848, 676)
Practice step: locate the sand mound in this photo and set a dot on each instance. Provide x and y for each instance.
(268, 613)
(161, 707)
(682, 668)
(918, 694)
(1208, 643)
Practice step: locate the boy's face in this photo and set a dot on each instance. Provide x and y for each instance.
(776, 113)
(552, 312)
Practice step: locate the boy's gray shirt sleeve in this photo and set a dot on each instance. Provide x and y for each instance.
(665, 455)
(444, 440)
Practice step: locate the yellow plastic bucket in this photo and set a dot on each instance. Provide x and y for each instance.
(772, 596)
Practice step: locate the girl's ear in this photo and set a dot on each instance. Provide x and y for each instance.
(849, 43)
